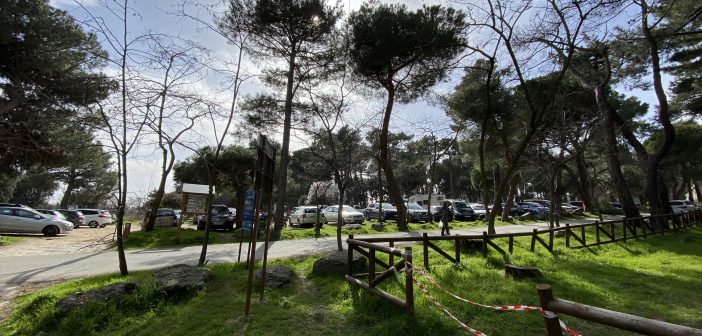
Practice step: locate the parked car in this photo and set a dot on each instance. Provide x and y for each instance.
(416, 213)
(461, 210)
(537, 210)
(52, 213)
(435, 213)
(578, 204)
(165, 217)
(74, 216)
(373, 211)
(616, 205)
(349, 215)
(222, 219)
(26, 220)
(177, 216)
(515, 211)
(304, 215)
(570, 209)
(479, 210)
(680, 206)
(96, 217)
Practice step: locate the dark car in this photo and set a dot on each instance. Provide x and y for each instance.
(461, 210)
(222, 219)
(537, 210)
(373, 210)
(74, 216)
(436, 213)
(415, 213)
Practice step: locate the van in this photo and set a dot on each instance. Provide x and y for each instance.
(423, 200)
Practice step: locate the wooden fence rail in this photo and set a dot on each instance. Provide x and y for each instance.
(576, 236)
(599, 315)
(374, 278)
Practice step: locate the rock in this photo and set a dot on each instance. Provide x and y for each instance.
(96, 295)
(335, 263)
(352, 226)
(560, 234)
(181, 277)
(276, 276)
(520, 272)
(377, 226)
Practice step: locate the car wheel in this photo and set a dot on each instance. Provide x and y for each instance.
(50, 231)
(93, 224)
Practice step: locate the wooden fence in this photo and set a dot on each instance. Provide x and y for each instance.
(575, 236)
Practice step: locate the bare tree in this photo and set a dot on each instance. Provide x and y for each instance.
(172, 103)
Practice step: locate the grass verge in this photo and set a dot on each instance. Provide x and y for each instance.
(655, 278)
(6, 240)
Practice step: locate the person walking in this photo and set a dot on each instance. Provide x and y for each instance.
(445, 213)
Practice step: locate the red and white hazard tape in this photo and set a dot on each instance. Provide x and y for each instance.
(446, 311)
(498, 308)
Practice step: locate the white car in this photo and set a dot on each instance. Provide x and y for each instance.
(304, 215)
(349, 215)
(680, 206)
(96, 217)
(27, 220)
(479, 210)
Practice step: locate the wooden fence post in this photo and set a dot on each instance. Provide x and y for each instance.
(425, 247)
(533, 240)
(485, 244)
(371, 265)
(597, 232)
(457, 249)
(349, 260)
(624, 229)
(582, 231)
(409, 283)
(511, 244)
(391, 256)
(567, 237)
(553, 327)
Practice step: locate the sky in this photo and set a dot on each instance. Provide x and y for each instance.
(156, 16)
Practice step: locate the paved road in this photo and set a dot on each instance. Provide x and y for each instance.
(17, 270)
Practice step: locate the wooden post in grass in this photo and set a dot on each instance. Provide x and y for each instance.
(485, 244)
(349, 259)
(567, 235)
(391, 260)
(457, 249)
(425, 248)
(533, 240)
(553, 327)
(371, 265)
(409, 283)
(597, 232)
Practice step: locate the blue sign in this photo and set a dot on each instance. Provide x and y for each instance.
(249, 207)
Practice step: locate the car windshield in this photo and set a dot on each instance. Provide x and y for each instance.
(460, 205)
(414, 206)
(348, 208)
(477, 207)
(388, 206)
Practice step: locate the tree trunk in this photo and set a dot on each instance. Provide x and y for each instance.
(387, 164)
(507, 210)
(284, 150)
(208, 204)
(583, 178)
(70, 186)
(612, 153)
(340, 219)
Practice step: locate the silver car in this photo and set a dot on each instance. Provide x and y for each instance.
(26, 220)
(349, 215)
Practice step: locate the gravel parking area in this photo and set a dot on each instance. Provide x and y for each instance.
(82, 239)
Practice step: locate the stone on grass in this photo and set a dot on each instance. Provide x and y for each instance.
(378, 226)
(96, 295)
(276, 276)
(181, 278)
(352, 226)
(521, 272)
(335, 263)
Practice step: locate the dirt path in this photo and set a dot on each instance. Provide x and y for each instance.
(82, 239)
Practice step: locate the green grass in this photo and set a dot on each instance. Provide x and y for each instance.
(6, 240)
(656, 278)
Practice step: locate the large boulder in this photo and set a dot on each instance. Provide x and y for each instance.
(335, 263)
(181, 278)
(276, 276)
(96, 295)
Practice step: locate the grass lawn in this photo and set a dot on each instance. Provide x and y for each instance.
(656, 278)
(164, 237)
(6, 240)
